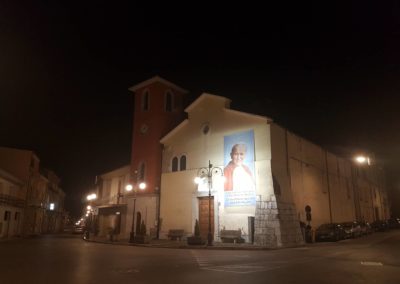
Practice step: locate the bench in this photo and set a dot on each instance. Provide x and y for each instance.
(175, 234)
(231, 236)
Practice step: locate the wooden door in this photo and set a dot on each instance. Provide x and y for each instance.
(203, 216)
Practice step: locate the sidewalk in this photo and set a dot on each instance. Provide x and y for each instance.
(179, 244)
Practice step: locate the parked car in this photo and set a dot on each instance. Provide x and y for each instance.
(78, 230)
(379, 226)
(394, 223)
(365, 228)
(352, 229)
(329, 232)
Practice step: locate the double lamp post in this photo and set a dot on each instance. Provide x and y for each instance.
(134, 188)
(207, 173)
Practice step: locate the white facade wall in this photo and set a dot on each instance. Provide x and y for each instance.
(114, 210)
(147, 207)
(179, 204)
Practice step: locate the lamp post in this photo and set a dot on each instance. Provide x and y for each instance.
(359, 160)
(89, 214)
(207, 172)
(129, 188)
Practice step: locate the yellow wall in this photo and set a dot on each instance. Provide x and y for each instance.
(302, 171)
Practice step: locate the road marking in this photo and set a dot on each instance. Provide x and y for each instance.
(127, 270)
(240, 268)
(371, 263)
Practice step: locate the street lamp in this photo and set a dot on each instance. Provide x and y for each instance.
(129, 188)
(89, 214)
(208, 174)
(359, 160)
(362, 160)
(91, 196)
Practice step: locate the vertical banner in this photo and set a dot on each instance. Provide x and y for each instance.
(239, 187)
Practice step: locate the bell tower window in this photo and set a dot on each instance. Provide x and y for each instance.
(145, 100)
(168, 101)
(142, 169)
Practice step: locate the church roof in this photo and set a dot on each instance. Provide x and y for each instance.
(156, 79)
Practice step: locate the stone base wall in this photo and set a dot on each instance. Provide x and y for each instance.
(276, 224)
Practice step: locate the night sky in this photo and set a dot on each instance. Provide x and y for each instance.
(328, 73)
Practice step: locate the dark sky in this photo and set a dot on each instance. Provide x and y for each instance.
(328, 73)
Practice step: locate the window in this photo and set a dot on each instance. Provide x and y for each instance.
(142, 169)
(145, 100)
(175, 164)
(168, 101)
(205, 128)
(183, 163)
(7, 215)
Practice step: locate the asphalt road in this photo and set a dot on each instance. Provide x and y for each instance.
(69, 259)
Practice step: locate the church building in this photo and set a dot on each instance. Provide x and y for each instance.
(235, 171)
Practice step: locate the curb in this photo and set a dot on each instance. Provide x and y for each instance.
(182, 246)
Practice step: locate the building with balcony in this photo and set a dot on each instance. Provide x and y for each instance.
(40, 193)
(12, 203)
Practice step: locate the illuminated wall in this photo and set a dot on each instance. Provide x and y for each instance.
(208, 135)
(301, 168)
(284, 173)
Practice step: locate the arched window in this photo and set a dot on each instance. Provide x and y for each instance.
(175, 164)
(183, 163)
(145, 100)
(168, 101)
(141, 173)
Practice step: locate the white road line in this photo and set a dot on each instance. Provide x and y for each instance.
(371, 263)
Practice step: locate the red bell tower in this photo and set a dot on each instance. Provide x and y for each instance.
(158, 108)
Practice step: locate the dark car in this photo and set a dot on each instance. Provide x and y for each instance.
(78, 230)
(379, 226)
(329, 232)
(352, 229)
(365, 228)
(394, 223)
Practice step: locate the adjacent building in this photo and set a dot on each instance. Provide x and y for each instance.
(12, 202)
(35, 193)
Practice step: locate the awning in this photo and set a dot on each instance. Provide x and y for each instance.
(109, 209)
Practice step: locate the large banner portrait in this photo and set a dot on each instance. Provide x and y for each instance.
(239, 186)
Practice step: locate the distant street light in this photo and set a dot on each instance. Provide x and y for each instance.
(362, 160)
(89, 214)
(91, 196)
